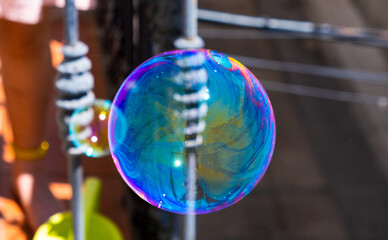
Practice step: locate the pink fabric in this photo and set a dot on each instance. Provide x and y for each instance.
(29, 11)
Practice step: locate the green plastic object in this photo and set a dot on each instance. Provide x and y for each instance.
(59, 226)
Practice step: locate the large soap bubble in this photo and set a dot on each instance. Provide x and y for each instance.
(150, 133)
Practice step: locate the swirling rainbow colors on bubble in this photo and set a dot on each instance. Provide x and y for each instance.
(146, 134)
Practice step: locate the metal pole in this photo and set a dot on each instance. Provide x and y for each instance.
(190, 217)
(195, 99)
(74, 84)
(75, 165)
(190, 40)
(190, 29)
(76, 178)
(71, 23)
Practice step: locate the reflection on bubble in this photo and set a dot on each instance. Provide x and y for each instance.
(89, 128)
(148, 123)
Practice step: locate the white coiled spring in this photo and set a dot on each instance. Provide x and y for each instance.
(193, 78)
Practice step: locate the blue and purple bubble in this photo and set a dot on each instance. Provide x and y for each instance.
(147, 136)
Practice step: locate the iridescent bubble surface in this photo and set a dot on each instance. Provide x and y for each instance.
(147, 133)
(89, 128)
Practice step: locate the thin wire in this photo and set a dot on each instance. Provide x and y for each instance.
(323, 31)
(344, 96)
(330, 72)
(239, 34)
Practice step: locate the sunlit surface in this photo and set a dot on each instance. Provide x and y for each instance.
(61, 191)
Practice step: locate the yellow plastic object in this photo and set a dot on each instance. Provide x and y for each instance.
(59, 226)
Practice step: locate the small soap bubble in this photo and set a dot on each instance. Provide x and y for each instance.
(166, 109)
(89, 129)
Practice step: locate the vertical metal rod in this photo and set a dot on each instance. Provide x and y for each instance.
(190, 40)
(190, 217)
(190, 32)
(76, 178)
(190, 227)
(75, 166)
(71, 23)
(190, 14)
